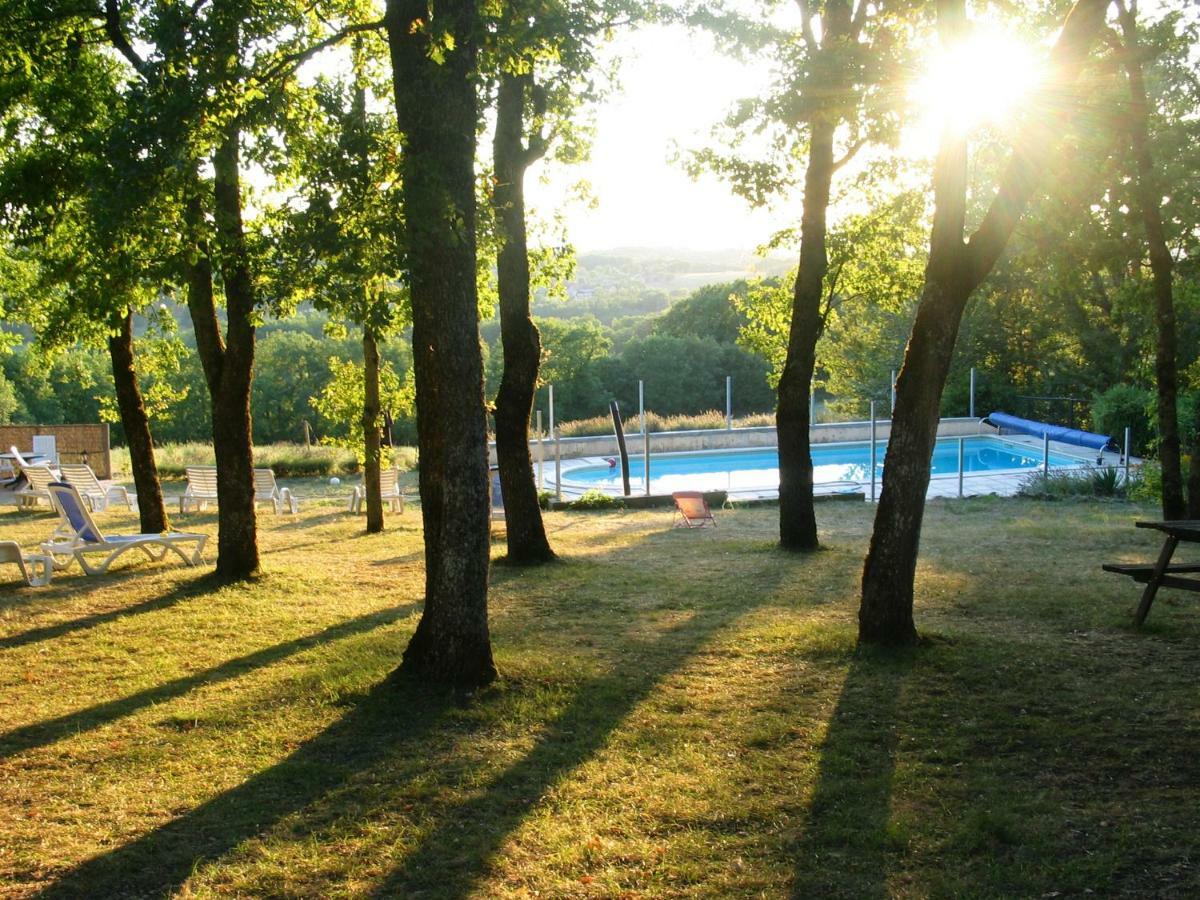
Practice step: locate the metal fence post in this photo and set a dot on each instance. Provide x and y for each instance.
(557, 467)
(1127, 448)
(872, 451)
(646, 459)
(552, 430)
(642, 404)
(728, 402)
(961, 460)
(541, 479)
(1046, 462)
(892, 408)
(971, 408)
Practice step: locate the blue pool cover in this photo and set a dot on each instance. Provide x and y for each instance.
(1054, 432)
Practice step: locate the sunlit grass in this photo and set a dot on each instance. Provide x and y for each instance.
(681, 713)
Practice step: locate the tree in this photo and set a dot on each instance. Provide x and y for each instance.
(341, 243)
(56, 111)
(1148, 193)
(954, 270)
(829, 91)
(434, 47)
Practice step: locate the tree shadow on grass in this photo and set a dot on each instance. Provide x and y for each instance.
(47, 732)
(333, 776)
(389, 718)
(196, 587)
(845, 843)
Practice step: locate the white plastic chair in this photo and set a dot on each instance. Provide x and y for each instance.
(86, 537)
(46, 446)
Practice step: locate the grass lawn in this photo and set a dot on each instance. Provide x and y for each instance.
(680, 714)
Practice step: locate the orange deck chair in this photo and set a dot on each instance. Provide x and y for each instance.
(691, 510)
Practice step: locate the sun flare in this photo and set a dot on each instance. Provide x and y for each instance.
(981, 80)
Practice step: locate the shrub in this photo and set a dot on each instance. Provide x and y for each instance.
(1107, 482)
(594, 499)
(1125, 406)
(287, 460)
(711, 420)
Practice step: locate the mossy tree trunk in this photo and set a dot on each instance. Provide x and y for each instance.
(527, 541)
(136, 424)
(434, 79)
(955, 268)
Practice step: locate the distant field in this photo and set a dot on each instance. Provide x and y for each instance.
(681, 714)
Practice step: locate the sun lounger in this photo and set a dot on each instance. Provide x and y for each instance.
(86, 537)
(36, 569)
(389, 490)
(38, 480)
(691, 510)
(94, 494)
(266, 490)
(201, 488)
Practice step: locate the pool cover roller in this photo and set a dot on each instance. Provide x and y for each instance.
(1003, 420)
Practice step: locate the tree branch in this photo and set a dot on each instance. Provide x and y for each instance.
(289, 62)
(116, 35)
(1036, 140)
(850, 153)
(806, 29)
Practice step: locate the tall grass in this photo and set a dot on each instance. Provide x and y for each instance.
(287, 460)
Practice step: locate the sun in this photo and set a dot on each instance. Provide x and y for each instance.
(983, 79)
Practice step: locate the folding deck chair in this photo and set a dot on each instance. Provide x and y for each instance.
(86, 537)
(691, 510)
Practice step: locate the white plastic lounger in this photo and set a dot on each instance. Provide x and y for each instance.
(94, 494)
(201, 488)
(389, 491)
(87, 538)
(266, 490)
(36, 569)
(38, 489)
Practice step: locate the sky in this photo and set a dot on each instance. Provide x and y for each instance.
(676, 86)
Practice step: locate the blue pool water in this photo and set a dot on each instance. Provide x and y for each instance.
(758, 468)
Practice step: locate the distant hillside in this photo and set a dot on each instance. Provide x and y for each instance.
(631, 281)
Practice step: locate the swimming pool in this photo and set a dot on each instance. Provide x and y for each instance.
(757, 469)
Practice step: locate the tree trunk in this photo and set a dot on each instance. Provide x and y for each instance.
(1165, 349)
(151, 511)
(436, 109)
(527, 542)
(228, 363)
(371, 449)
(797, 517)
(955, 269)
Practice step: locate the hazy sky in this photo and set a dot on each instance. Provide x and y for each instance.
(676, 86)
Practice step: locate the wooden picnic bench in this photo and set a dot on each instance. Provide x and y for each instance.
(1163, 573)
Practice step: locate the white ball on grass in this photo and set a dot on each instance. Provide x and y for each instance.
(335, 481)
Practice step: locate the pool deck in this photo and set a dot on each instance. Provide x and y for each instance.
(1002, 483)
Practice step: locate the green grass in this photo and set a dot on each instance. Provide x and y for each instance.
(680, 714)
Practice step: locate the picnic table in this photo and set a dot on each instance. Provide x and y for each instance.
(1163, 573)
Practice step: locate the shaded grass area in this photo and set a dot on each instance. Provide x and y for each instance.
(680, 714)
